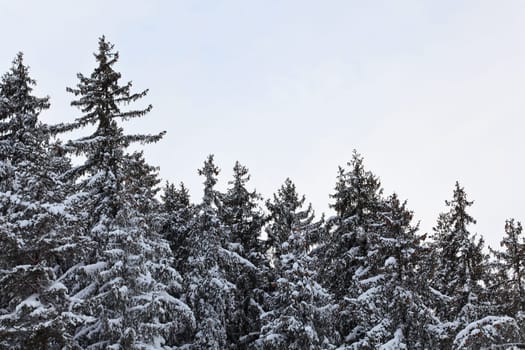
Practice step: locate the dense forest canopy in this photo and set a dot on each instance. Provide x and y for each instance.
(101, 255)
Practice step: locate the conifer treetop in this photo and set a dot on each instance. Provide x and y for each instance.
(456, 220)
(100, 99)
(18, 107)
(174, 198)
(210, 172)
(356, 189)
(288, 194)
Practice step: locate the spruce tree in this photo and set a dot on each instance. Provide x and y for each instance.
(33, 241)
(31, 232)
(459, 266)
(357, 199)
(369, 257)
(301, 313)
(125, 288)
(177, 218)
(343, 249)
(240, 213)
(208, 292)
(389, 308)
(285, 211)
(506, 286)
(509, 265)
(100, 100)
(243, 219)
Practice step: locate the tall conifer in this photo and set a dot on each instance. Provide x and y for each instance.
(243, 219)
(34, 245)
(301, 314)
(125, 288)
(208, 291)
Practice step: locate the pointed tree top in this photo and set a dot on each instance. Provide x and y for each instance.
(210, 172)
(16, 85)
(288, 194)
(240, 174)
(357, 190)
(174, 198)
(101, 97)
(105, 54)
(19, 109)
(458, 207)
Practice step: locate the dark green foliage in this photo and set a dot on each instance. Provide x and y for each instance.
(33, 242)
(210, 172)
(389, 306)
(100, 99)
(459, 257)
(369, 257)
(459, 270)
(242, 220)
(240, 212)
(344, 246)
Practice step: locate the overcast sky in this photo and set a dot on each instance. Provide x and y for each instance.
(429, 92)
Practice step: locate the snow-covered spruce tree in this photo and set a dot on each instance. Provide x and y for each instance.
(487, 331)
(177, 216)
(343, 249)
(508, 283)
(286, 211)
(32, 239)
(125, 289)
(459, 268)
(389, 309)
(239, 210)
(358, 197)
(243, 219)
(302, 314)
(505, 290)
(208, 292)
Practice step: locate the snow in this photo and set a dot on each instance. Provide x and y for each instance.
(369, 293)
(439, 294)
(361, 271)
(24, 223)
(273, 338)
(489, 328)
(83, 293)
(65, 247)
(56, 208)
(372, 280)
(236, 257)
(395, 343)
(92, 268)
(114, 252)
(57, 286)
(391, 261)
(31, 304)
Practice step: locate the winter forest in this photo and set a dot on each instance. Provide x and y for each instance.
(99, 254)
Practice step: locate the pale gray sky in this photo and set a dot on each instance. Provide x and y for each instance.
(430, 92)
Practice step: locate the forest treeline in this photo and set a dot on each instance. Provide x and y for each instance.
(100, 255)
